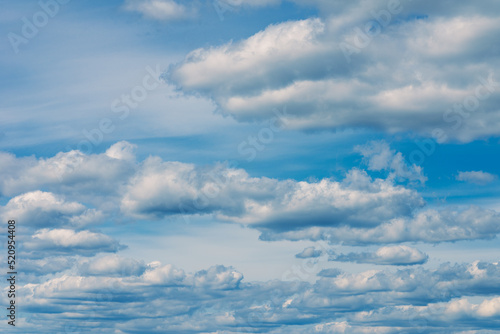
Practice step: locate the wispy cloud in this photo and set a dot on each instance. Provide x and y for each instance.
(477, 177)
(163, 10)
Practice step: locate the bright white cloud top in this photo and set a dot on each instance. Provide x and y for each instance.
(330, 78)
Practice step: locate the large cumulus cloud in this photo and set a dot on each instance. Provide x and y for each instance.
(166, 188)
(432, 226)
(418, 68)
(357, 209)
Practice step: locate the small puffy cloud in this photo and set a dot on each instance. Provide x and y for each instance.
(380, 156)
(309, 252)
(44, 209)
(389, 255)
(218, 277)
(476, 177)
(112, 265)
(65, 241)
(162, 10)
(122, 151)
(164, 275)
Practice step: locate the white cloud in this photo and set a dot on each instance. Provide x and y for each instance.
(462, 312)
(397, 83)
(431, 226)
(356, 210)
(163, 189)
(44, 209)
(218, 277)
(381, 157)
(163, 10)
(122, 151)
(66, 241)
(231, 67)
(489, 308)
(387, 301)
(390, 255)
(451, 36)
(71, 172)
(164, 275)
(477, 177)
(111, 265)
(77, 286)
(356, 201)
(404, 81)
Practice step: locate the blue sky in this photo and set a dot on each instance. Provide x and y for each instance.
(266, 166)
